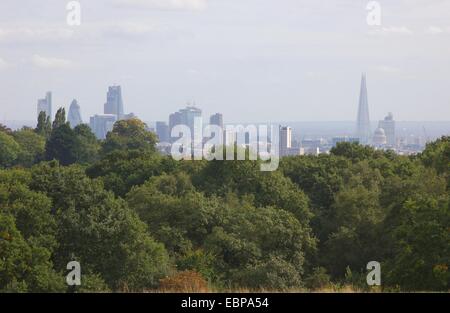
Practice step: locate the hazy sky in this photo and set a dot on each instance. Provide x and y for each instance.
(252, 60)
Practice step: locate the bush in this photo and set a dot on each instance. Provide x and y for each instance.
(186, 281)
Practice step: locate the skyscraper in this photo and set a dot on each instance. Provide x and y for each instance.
(388, 125)
(188, 117)
(216, 119)
(174, 120)
(363, 120)
(74, 116)
(102, 124)
(114, 102)
(162, 130)
(285, 140)
(45, 105)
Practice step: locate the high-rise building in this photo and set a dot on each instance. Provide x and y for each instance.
(114, 102)
(174, 120)
(285, 140)
(162, 130)
(45, 105)
(216, 119)
(188, 116)
(388, 125)
(74, 116)
(363, 121)
(102, 124)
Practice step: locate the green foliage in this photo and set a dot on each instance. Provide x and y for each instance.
(32, 147)
(99, 230)
(60, 118)
(44, 126)
(129, 135)
(318, 279)
(9, 150)
(132, 217)
(62, 145)
(88, 147)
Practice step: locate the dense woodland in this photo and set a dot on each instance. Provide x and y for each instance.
(140, 221)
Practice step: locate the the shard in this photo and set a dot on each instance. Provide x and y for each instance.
(363, 132)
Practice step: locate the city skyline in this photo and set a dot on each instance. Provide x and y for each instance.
(256, 61)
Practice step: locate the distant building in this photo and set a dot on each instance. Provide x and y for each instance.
(388, 125)
(102, 124)
(285, 140)
(162, 130)
(128, 116)
(114, 102)
(174, 119)
(336, 140)
(45, 105)
(74, 116)
(363, 121)
(216, 119)
(188, 117)
(379, 138)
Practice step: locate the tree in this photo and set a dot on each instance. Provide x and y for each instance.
(62, 145)
(5, 129)
(27, 238)
(9, 150)
(437, 155)
(129, 135)
(44, 126)
(32, 147)
(87, 151)
(99, 230)
(60, 118)
(238, 234)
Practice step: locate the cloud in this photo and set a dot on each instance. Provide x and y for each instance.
(164, 4)
(392, 30)
(397, 30)
(51, 63)
(3, 64)
(387, 69)
(129, 30)
(34, 34)
(436, 30)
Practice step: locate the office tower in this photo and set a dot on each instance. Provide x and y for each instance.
(102, 124)
(174, 120)
(188, 117)
(388, 125)
(162, 130)
(363, 121)
(114, 102)
(45, 105)
(379, 137)
(216, 119)
(285, 140)
(74, 116)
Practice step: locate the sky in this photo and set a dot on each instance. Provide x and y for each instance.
(252, 60)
